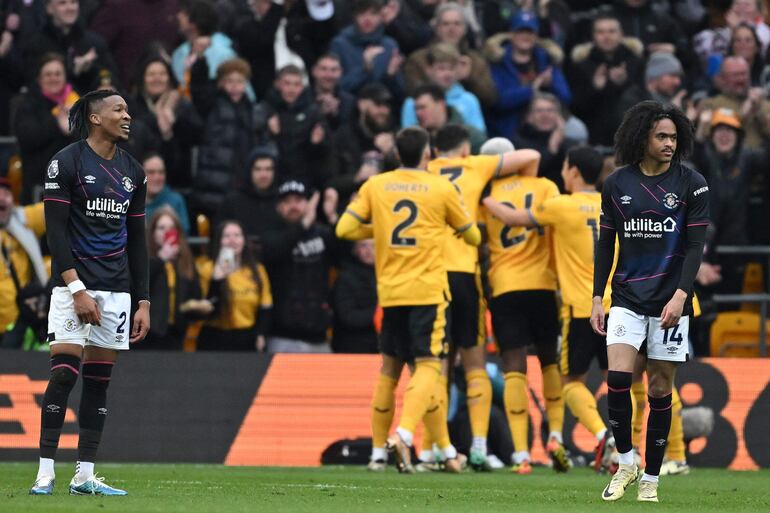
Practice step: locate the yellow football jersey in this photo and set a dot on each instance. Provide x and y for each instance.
(409, 210)
(247, 296)
(574, 219)
(470, 175)
(520, 258)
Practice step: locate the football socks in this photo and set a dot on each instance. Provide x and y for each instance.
(658, 424)
(64, 375)
(676, 449)
(554, 402)
(418, 394)
(383, 408)
(582, 403)
(639, 392)
(479, 401)
(619, 406)
(93, 408)
(517, 408)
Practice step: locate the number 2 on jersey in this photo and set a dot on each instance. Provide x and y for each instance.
(505, 234)
(396, 239)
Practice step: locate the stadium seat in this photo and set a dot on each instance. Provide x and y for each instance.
(753, 283)
(203, 225)
(736, 334)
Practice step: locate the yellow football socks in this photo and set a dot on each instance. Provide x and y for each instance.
(517, 408)
(436, 429)
(418, 394)
(582, 403)
(676, 450)
(479, 401)
(383, 408)
(554, 402)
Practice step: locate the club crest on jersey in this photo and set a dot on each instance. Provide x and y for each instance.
(128, 185)
(53, 169)
(625, 200)
(670, 200)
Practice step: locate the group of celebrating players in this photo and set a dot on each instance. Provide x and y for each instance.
(424, 218)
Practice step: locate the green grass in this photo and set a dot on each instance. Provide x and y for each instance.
(214, 488)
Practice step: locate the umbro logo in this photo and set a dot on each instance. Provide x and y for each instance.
(625, 200)
(103, 411)
(614, 423)
(672, 349)
(53, 408)
(660, 442)
(90, 179)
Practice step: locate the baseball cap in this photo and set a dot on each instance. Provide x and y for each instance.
(292, 187)
(376, 92)
(524, 20)
(320, 10)
(725, 117)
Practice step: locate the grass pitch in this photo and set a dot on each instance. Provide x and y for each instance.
(215, 488)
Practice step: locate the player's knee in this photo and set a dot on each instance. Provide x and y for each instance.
(659, 386)
(574, 378)
(515, 360)
(64, 371)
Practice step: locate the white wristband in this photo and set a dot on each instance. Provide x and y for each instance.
(76, 286)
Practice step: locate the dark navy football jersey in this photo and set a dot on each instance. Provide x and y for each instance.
(101, 194)
(651, 215)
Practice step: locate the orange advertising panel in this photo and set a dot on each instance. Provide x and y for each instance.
(307, 402)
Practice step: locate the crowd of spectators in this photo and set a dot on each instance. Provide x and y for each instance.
(259, 119)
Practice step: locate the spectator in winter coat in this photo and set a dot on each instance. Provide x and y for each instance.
(88, 59)
(296, 125)
(336, 104)
(522, 66)
(171, 119)
(254, 204)
(366, 53)
(443, 61)
(159, 194)
(255, 38)
(354, 300)
(473, 73)
(602, 71)
(229, 133)
(298, 256)
(42, 124)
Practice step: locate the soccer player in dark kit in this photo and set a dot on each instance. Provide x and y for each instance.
(94, 214)
(658, 208)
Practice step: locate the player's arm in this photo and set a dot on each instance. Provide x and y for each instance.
(57, 202)
(136, 247)
(604, 255)
(508, 215)
(523, 162)
(695, 233)
(355, 222)
(458, 218)
(351, 227)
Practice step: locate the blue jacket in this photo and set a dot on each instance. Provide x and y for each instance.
(513, 97)
(350, 45)
(464, 102)
(172, 199)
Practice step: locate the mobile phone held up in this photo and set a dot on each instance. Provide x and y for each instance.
(171, 237)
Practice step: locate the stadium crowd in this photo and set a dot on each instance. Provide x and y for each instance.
(256, 121)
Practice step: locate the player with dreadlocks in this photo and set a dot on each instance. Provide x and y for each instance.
(94, 213)
(658, 209)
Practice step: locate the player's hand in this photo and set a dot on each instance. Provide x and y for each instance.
(330, 202)
(597, 317)
(86, 308)
(312, 207)
(371, 53)
(318, 134)
(82, 63)
(274, 124)
(141, 324)
(672, 312)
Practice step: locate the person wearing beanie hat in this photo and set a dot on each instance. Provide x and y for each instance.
(660, 64)
(662, 82)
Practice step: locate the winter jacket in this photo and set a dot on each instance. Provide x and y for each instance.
(228, 137)
(550, 163)
(298, 262)
(586, 58)
(254, 209)
(466, 104)
(39, 138)
(255, 40)
(350, 45)
(75, 43)
(298, 157)
(514, 93)
(354, 300)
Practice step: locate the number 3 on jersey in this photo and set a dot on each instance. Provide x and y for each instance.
(505, 234)
(396, 239)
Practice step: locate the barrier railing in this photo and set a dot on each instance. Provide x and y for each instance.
(762, 299)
